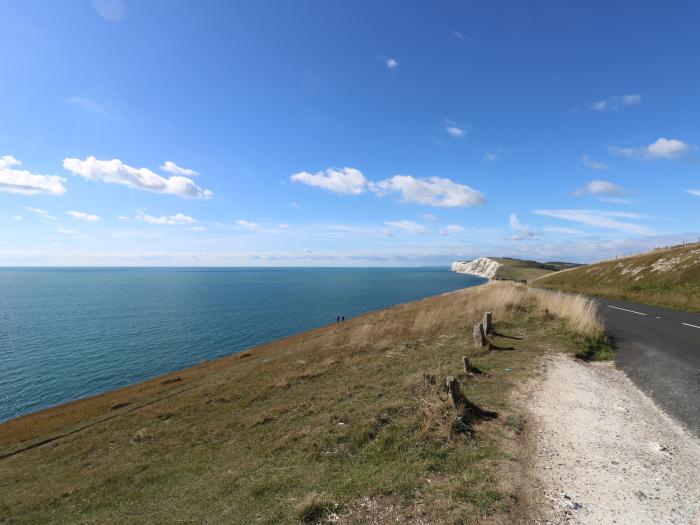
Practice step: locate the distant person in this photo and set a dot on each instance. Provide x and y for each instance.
(337, 319)
(342, 318)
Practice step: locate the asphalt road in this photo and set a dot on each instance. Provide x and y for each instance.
(659, 349)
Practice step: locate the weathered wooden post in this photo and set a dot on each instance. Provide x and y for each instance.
(479, 336)
(467, 365)
(488, 322)
(454, 391)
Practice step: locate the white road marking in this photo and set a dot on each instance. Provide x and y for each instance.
(626, 310)
(688, 324)
(658, 317)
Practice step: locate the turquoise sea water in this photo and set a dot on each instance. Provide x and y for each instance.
(71, 333)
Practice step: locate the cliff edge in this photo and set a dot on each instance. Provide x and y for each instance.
(483, 267)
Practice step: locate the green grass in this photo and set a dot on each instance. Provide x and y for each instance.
(351, 419)
(669, 278)
(525, 271)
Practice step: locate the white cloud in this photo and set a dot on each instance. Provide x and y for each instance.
(600, 187)
(391, 63)
(66, 232)
(407, 226)
(522, 231)
(430, 217)
(116, 172)
(590, 163)
(83, 216)
(198, 229)
(173, 168)
(490, 156)
(616, 103)
(459, 35)
(247, 224)
(694, 192)
(283, 226)
(434, 191)
(345, 181)
(25, 182)
(661, 149)
(451, 229)
(39, 211)
(123, 218)
(296, 205)
(178, 218)
(453, 130)
(600, 219)
(17, 218)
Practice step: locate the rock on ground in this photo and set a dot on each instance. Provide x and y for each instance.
(605, 453)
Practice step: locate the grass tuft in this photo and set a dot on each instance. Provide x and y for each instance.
(314, 508)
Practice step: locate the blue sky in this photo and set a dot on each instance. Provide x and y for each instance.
(345, 133)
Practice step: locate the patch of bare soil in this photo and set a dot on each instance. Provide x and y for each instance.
(605, 453)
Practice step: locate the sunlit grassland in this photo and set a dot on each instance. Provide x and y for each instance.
(349, 422)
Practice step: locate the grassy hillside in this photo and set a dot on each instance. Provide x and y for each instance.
(350, 421)
(668, 277)
(523, 270)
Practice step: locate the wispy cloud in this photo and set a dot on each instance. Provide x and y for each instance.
(66, 231)
(600, 219)
(661, 149)
(173, 168)
(600, 187)
(453, 130)
(247, 224)
(89, 217)
(451, 229)
(562, 229)
(590, 163)
(522, 232)
(110, 10)
(694, 192)
(617, 103)
(13, 180)
(116, 172)
(42, 213)
(88, 105)
(459, 35)
(177, 219)
(411, 227)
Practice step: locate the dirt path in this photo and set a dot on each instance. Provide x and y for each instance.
(604, 453)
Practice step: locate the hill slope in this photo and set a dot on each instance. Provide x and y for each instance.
(509, 269)
(667, 277)
(350, 421)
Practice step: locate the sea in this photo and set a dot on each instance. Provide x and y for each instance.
(68, 333)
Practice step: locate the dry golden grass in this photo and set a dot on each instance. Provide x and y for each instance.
(667, 277)
(344, 419)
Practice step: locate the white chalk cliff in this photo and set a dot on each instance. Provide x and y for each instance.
(483, 267)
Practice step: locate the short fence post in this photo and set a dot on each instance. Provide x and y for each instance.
(479, 336)
(467, 365)
(488, 322)
(453, 390)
